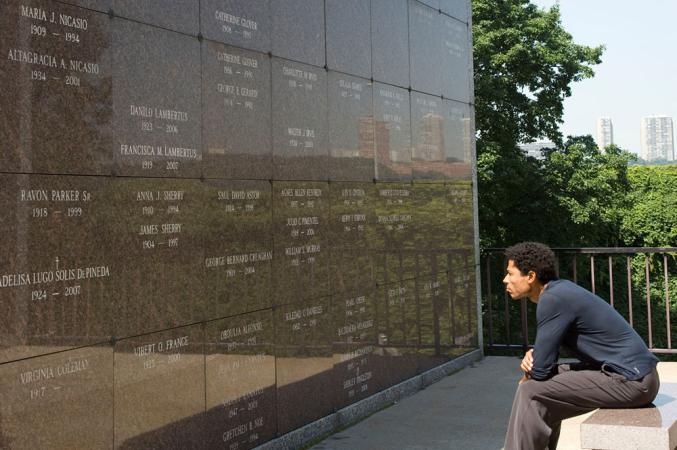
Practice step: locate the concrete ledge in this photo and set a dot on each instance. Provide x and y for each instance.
(344, 417)
(653, 427)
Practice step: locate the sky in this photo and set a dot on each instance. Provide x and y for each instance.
(638, 73)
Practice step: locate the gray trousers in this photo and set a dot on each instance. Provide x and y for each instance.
(540, 406)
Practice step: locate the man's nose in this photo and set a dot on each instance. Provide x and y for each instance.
(505, 279)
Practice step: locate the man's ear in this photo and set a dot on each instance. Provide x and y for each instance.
(531, 277)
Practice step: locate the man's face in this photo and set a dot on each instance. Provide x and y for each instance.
(516, 284)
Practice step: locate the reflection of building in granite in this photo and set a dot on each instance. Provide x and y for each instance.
(431, 144)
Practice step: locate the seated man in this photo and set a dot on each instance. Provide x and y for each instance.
(616, 369)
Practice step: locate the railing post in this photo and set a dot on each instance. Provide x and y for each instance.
(491, 323)
(575, 271)
(667, 297)
(592, 272)
(648, 299)
(629, 288)
(611, 282)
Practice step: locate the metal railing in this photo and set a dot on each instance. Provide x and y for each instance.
(643, 297)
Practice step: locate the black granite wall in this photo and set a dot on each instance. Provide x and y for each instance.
(221, 219)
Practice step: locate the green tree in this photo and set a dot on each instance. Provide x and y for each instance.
(588, 189)
(651, 219)
(524, 63)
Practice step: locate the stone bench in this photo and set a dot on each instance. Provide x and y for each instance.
(650, 428)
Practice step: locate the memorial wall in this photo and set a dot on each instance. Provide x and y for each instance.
(223, 220)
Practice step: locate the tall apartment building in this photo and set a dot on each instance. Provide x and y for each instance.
(605, 132)
(657, 138)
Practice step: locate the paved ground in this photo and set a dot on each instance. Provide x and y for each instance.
(468, 410)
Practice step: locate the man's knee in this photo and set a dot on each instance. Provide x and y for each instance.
(528, 389)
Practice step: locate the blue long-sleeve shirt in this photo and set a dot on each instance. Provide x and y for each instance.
(572, 316)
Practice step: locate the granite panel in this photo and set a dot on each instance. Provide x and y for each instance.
(349, 36)
(351, 128)
(390, 41)
(236, 113)
(244, 24)
(240, 381)
(177, 15)
(352, 270)
(58, 271)
(459, 134)
(304, 363)
(64, 400)
(392, 133)
(462, 292)
(460, 213)
(355, 343)
(299, 121)
(158, 231)
(425, 45)
(432, 3)
(430, 225)
(428, 130)
(301, 252)
(435, 323)
(454, 66)
(394, 210)
(238, 246)
(160, 390)
(97, 5)
(298, 27)
(55, 107)
(394, 265)
(156, 99)
(397, 328)
(459, 9)
(352, 215)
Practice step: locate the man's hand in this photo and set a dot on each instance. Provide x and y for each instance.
(527, 362)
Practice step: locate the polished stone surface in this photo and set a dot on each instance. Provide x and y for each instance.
(355, 344)
(240, 381)
(349, 36)
(56, 115)
(97, 5)
(352, 270)
(463, 307)
(160, 390)
(177, 15)
(236, 113)
(304, 363)
(299, 121)
(244, 24)
(390, 41)
(238, 247)
(58, 269)
(429, 141)
(456, 60)
(459, 134)
(395, 211)
(351, 128)
(396, 357)
(62, 400)
(456, 8)
(425, 43)
(352, 215)
(301, 248)
(299, 30)
(156, 98)
(157, 228)
(392, 133)
(430, 222)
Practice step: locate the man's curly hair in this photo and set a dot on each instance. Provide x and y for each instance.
(533, 256)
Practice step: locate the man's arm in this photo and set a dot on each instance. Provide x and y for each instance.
(554, 319)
